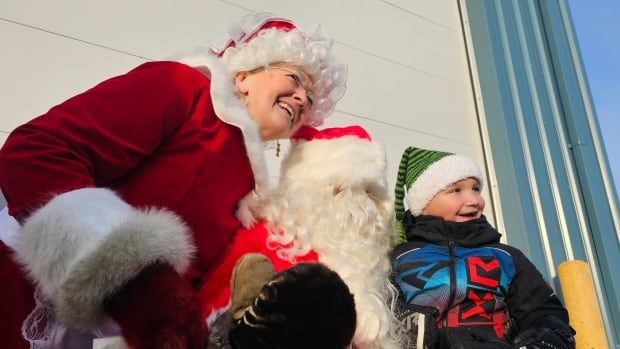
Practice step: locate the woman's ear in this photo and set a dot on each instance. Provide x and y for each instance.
(241, 82)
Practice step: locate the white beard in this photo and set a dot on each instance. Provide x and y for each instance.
(351, 230)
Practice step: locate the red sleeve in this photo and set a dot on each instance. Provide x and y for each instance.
(97, 136)
(215, 291)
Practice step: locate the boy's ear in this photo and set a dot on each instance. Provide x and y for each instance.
(241, 82)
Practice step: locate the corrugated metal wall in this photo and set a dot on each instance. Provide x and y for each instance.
(542, 134)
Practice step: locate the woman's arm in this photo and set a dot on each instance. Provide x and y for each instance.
(79, 242)
(97, 136)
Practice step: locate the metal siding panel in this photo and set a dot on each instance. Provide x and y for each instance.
(383, 30)
(393, 94)
(153, 29)
(533, 101)
(527, 146)
(568, 216)
(3, 136)
(534, 131)
(507, 151)
(41, 69)
(420, 72)
(584, 134)
(444, 13)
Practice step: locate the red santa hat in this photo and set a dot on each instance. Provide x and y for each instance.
(249, 26)
(344, 156)
(259, 40)
(334, 194)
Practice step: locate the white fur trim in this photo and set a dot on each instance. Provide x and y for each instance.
(8, 228)
(332, 199)
(251, 46)
(309, 50)
(84, 245)
(437, 177)
(230, 109)
(347, 160)
(143, 239)
(69, 227)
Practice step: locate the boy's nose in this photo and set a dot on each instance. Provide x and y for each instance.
(473, 199)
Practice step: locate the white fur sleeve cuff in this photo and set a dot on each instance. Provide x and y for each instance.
(84, 245)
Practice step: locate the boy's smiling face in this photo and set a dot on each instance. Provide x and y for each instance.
(459, 202)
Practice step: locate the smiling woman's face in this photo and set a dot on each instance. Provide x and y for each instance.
(277, 98)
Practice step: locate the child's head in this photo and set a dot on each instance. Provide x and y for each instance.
(439, 184)
(459, 202)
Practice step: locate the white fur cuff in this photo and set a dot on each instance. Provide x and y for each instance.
(143, 239)
(346, 160)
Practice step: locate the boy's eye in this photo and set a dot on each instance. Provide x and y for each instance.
(477, 188)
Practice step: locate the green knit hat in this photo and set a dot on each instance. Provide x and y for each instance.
(422, 174)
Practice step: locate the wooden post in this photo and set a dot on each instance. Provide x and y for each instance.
(582, 304)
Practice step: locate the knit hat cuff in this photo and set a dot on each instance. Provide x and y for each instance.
(437, 177)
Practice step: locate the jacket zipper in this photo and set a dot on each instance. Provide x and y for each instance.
(452, 280)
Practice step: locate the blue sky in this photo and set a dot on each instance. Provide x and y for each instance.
(597, 24)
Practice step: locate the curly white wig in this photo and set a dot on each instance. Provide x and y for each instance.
(256, 43)
(333, 199)
(308, 49)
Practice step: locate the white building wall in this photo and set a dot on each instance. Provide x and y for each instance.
(408, 77)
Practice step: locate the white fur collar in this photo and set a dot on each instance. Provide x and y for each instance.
(8, 228)
(229, 108)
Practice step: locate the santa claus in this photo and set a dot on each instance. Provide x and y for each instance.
(331, 206)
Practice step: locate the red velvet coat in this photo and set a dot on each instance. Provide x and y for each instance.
(163, 135)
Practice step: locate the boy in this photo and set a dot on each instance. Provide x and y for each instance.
(449, 265)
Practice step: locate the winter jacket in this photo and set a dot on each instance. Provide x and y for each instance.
(481, 292)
